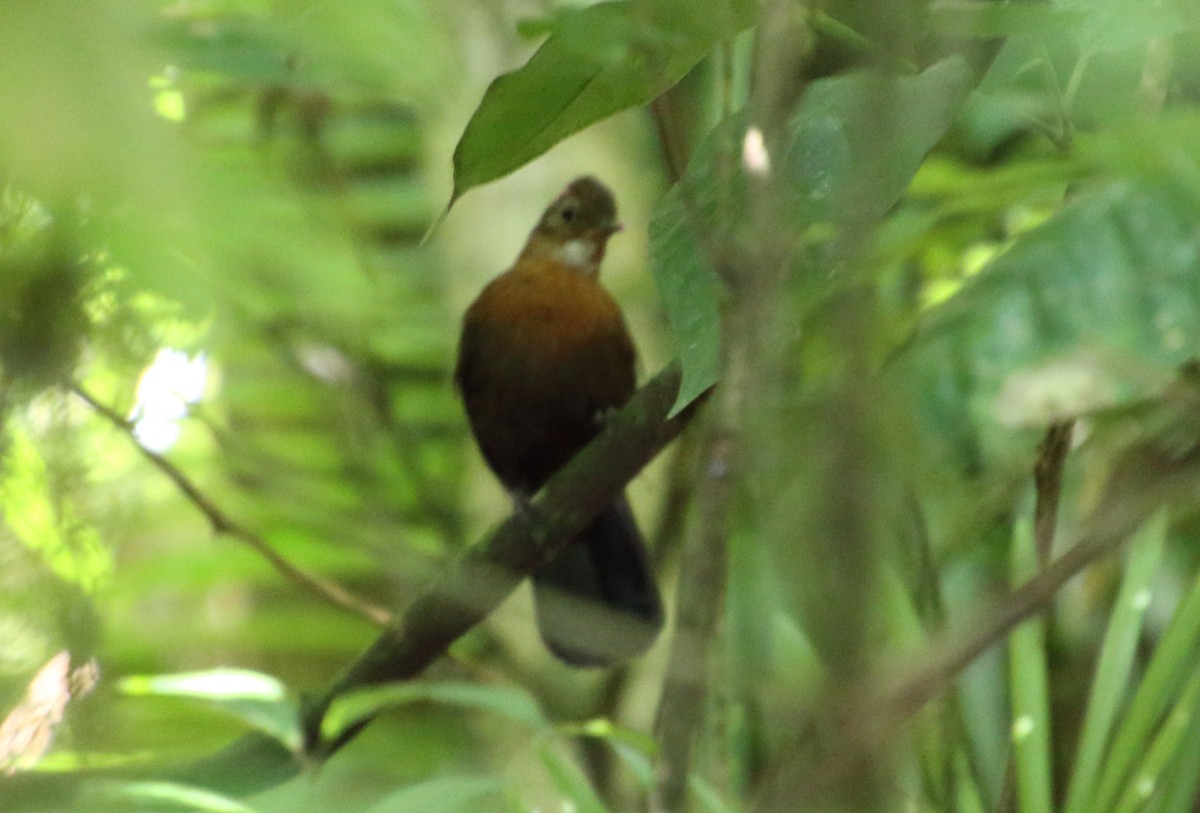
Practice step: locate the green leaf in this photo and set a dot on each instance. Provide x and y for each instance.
(690, 293)
(1174, 662)
(249, 765)
(258, 699)
(1094, 309)
(600, 60)
(835, 159)
(968, 798)
(506, 701)
(571, 782)
(635, 749)
(233, 48)
(448, 794)
(982, 18)
(168, 796)
(1030, 686)
(603, 728)
(1179, 786)
(837, 146)
(1116, 660)
(707, 797)
(1164, 750)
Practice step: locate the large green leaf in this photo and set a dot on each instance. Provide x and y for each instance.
(837, 157)
(598, 61)
(1094, 309)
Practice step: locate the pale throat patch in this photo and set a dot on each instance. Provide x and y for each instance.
(579, 254)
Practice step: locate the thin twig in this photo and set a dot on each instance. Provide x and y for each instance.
(223, 524)
(1047, 478)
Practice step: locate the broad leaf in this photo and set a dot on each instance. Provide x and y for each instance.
(600, 60)
(1094, 309)
(836, 159)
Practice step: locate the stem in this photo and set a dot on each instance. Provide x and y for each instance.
(1047, 477)
(223, 524)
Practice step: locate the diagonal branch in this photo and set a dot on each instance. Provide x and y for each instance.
(488, 572)
(222, 523)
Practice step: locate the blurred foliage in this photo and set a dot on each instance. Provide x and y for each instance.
(979, 220)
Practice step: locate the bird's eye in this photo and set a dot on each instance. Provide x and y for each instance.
(568, 213)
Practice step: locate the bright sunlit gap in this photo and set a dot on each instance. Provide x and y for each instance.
(166, 388)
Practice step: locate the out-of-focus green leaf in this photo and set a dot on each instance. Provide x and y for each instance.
(507, 701)
(452, 794)
(1029, 685)
(837, 137)
(1113, 25)
(1178, 789)
(1172, 665)
(837, 161)
(32, 512)
(570, 781)
(605, 729)
(249, 765)
(1162, 757)
(981, 18)
(258, 699)
(231, 48)
(43, 280)
(636, 749)
(166, 796)
(600, 60)
(72, 92)
(707, 797)
(1116, 661)
(1094, 309)
(690, 293)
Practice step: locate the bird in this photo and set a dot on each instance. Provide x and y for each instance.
(543, 357)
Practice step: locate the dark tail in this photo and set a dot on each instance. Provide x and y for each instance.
(597, 602)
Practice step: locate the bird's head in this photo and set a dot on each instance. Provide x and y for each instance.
(576, 226)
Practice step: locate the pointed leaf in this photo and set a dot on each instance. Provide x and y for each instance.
(600, 60)
(258, 699)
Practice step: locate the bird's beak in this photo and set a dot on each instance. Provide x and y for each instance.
(611, 227)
